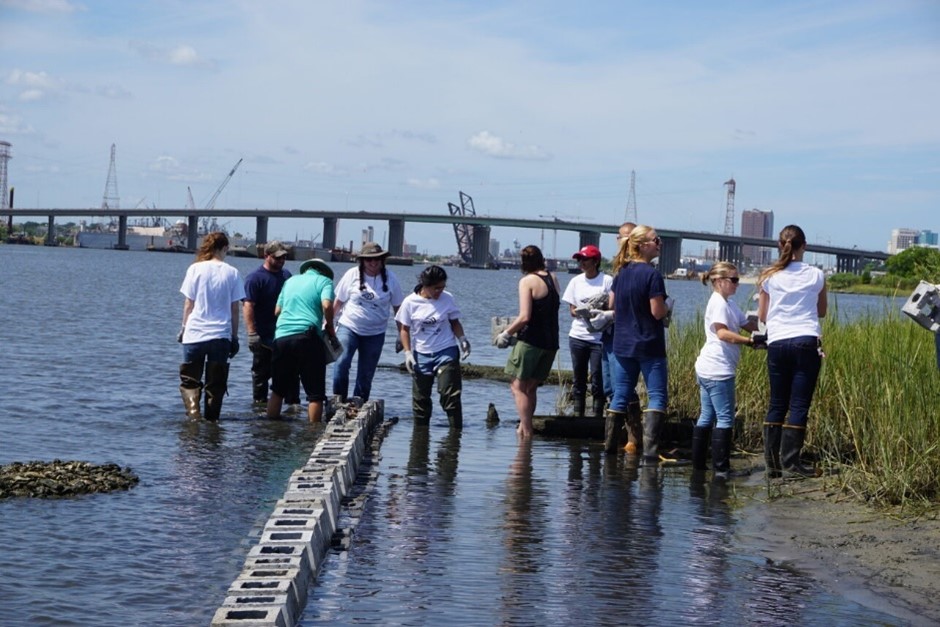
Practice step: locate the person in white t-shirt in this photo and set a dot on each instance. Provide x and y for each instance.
(213, 291)
(584, 343)
(434, 343)
(365, 297)
(716, 366)
(792, 299)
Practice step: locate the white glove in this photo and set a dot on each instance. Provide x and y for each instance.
(600, 320)
(410, 362)
(503, 340)
(464, 346)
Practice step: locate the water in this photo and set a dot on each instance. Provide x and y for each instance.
(489, 533)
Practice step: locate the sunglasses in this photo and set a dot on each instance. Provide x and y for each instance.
(733, 279)
(656, 240)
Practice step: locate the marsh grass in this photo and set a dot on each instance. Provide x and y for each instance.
(875, 420)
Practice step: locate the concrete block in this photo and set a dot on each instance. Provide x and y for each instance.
(303, 553)
(253, 604)
(250, 617)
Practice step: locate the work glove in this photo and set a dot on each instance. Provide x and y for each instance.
(410, 362)
(670, 303)
(600, 320)
(758, 341)
(503, 340)
(179, 336)
(464, 346)
(233, 347)
(254, 341)
(399, 347)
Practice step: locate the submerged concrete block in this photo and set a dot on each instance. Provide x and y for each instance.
(261, 616)
(249, 607)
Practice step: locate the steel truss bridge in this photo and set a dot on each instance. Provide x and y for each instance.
(852, 260)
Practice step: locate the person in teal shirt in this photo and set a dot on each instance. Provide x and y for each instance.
(304, 313)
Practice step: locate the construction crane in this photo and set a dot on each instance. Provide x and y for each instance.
(729, 207)
(215, 196)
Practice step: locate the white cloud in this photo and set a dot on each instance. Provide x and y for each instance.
(493, 146)
(182, 54)
(429, 183)
(14, 125)
(43, 6)
(322, 167)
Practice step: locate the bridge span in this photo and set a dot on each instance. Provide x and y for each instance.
(730, 247)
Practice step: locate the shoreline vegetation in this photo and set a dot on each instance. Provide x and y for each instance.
(874, 426)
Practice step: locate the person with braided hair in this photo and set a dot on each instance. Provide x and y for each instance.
(365, 296)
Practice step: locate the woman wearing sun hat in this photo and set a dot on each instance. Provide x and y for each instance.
(366, 296)
(584, 343)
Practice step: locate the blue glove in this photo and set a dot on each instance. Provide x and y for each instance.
(233, 348)
(179, 336)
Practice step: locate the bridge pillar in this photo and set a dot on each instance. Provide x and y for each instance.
(670, 254)
(481, 246)
(261, 234)
(396, 237)
(853, 264)
(50, 232)
(729, 251)
(122, 233)
(329, 233)
(589, 238)
(192, 232)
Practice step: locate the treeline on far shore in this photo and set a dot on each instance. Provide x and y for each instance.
(875, 420)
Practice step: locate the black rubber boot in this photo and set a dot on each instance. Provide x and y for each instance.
(421, 387)
(260, 372)
(634, 428)
(216, 386)
(652, 426)
(772, 435)
(700, 441)
(790, 449)
(613, 427)
(449, 387)
(597, 407)
(578, 406)
(191, 388)
(721, 450)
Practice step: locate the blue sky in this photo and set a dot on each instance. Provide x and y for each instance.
(824, 112)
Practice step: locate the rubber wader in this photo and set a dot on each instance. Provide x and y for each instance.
(578, 406)
(191, 388)
(421, 387)
(613, 427)
(634, 428)
(449, 386)
(790, 449)
(652, 426)
(721, 450)
(216, 385)
(701, 437)
(772, 434)
(598, 406)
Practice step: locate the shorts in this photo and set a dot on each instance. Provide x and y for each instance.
(530, 362)
(299, 357)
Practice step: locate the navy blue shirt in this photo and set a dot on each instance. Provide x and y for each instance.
(637, 334)
(262, 288)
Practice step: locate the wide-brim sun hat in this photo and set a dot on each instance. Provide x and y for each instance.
(319, 265)
(371, 250)
(588, 252)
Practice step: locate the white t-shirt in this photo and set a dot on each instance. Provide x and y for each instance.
(213, 286)
(718, 360)
(429, 321)
(794, 296)
(366, 311)
(579, 290)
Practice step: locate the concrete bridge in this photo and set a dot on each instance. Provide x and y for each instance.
(730, 247)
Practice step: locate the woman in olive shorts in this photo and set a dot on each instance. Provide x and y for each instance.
(536, 329)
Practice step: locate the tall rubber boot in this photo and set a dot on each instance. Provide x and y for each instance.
(578, 406)
(421, 388)
(721, 450)
(652, 427)
(700, 441)
(790, 449)
(613, 427)
(449, 386)
(216, 386)
(772, 435)
(191, 388)
(634, 428)
(597, 407)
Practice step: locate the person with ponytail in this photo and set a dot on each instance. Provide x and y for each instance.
(792, 299)
(716, 367)
(365, 297)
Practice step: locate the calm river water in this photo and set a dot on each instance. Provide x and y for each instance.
(465, 529)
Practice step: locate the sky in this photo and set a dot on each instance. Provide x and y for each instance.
(825, 113)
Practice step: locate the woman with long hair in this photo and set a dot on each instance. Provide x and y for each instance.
(536, 328)
(365, 298)
(434, 342)
(791, 301)
(638, 298)
(213, 291)
(716, 367)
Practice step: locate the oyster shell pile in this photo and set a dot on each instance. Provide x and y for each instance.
(62, 478)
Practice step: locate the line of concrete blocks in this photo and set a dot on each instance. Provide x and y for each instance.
(271, 590)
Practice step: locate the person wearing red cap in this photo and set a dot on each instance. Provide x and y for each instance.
(584, 342)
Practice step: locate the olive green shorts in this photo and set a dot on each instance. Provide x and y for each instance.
(529, 362)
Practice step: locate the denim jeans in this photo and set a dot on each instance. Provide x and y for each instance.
(210, 350)
(793, 367)
(585, 355)
(717, 397)
(369, 348)
(607, 346)
(626, 374)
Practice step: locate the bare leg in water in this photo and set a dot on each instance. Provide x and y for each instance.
(524, 393)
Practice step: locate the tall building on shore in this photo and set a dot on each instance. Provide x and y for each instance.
(757, 223)
(902, 239)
